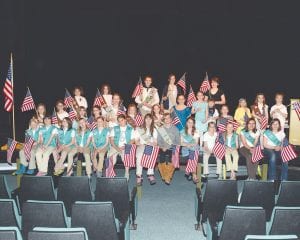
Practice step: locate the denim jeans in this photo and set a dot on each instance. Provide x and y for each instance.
(274, 156)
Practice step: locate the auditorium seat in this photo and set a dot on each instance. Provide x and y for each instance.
(273, 237)
(285, 220)
(289, 194)
(43, 214)
(259, 193)
(97, 218)
(116, 190)
(72, 189)
(9, 214)
(237, 223)
(43, 233)
(212, 201)
(10, 233)
(4, 192)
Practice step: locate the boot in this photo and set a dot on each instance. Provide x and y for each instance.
(169, 173)
(162, 170)
(21, 170)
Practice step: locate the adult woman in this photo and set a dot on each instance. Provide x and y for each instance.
(157, 114)
(181, 111)
(242, 114)
(169, 94)
(216, 93)
(260, 110)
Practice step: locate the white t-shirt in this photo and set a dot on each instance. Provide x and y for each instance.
(122, 140)
(145, 138)
(252, 134)
(282, 108)
(81, 101)
(210, 140)
(279, 135)
(62, 115)
(108, 99)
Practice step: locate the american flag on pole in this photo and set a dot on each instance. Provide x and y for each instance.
(138, 89)
(149, 156)
(109, 167)
(54, 119)
(287, 151)
(8, 90)
(139, 119)
(11, 145)
(29, 141)
(192, 162)
(296, 107)
(175, 118)
(182, 82)
(205, 86)
(191, 97)
(175, 155)
(91, 123)
(263, 122)
(99, 100)
(28, 103)
(121, 110)
(129, 155)
(223, 124)
(68, 100)
(257, 154)
(72, 114)
(219, 148)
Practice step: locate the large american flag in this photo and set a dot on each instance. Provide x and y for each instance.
(129, 155)
(11, 145)
(138, 89)
(192, 162)
(257, 154)
(287, 151)
(28, 103)
(8, 91)
(72, 114)
(149, 156)
(219, 148)
(182, 82)
(109, 167)
(139, 119)
(68, 100)
(175, 155)
(54, 119)
(296, 107)
(29, 141)
(191, 97)
(263, 122)
(91, 124)
(205, 86)
(99, 99)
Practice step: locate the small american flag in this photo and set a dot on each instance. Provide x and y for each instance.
(205, 86)
(121, 110)
(29, 141)
(219, 148)
(223, 124)
(296, 107)
(287, 151)
(175, 155)
(68, 100)
(138, 89)
(11, 145)
(257, 154)
(54, 119)
(8, 91)
(99, 100)
(149, 156)
(182, 82)
(129, 155)
(192, 162)
(191, 97)
(72, 114)
(28, 103)
(91, 123)
(175, 118)
(263, 122)
(139, 119)
(109, 167)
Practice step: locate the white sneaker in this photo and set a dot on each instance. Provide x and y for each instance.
(127, 176)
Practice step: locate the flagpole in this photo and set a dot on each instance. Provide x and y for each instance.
(13, 106)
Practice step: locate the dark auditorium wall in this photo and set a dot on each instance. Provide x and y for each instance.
(253, 46)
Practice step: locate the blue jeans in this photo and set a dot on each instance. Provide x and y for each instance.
(274, 156)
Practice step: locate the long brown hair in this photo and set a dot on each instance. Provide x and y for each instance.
(102, 88)
(256, 99)
(148, 115)
(193, 129)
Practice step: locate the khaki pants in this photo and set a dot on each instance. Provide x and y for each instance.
(206, 156)
(139, 168)
(64, 154)
(42, 158)
(231, 159)
(87, 158)
(101, 156)
(31, 162)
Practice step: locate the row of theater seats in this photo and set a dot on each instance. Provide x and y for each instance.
(73, 194)
(223, 214)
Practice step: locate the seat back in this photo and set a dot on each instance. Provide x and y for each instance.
(72, 189)
(114, 190)
(289, 194)
(273, 237)
(285, 220)
(218, 194)
(97, 218)
(4, 193)
(259, 193)
(9, 214)
(240, 221)
(36, 188)
(39, 233)
(10, 233)
(43, 214)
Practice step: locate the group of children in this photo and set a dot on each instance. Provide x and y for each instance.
(168, 124)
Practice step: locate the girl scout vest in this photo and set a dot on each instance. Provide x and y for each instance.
(46, 134)
(232, 141)
(34, 135)
(85, 137)
(65, 137)
(100, 137)
(270, 135)
(117, 131)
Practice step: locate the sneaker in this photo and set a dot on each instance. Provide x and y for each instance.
(40, 174)
(99, 174)
(58, 172)
(126, 176)
(188, 177)
(139, 180)
(151, 179)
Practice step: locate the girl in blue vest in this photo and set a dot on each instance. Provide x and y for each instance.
(66, 143)
(32, 131)
(100, 144)
(119, 136)
(47, 141)
(272, 141)
(231, 154)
